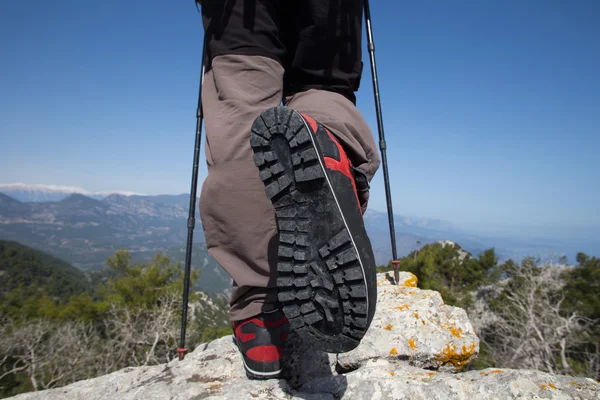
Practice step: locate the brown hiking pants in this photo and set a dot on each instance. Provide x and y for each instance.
(237, 218)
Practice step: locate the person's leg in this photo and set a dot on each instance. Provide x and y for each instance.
(244, 78)
(237, 218)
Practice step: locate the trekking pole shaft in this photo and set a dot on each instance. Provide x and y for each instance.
(192, 215)
(382, 144)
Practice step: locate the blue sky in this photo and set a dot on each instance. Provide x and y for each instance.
(491, 109)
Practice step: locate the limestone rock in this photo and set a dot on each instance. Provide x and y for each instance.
(415, 325)
(423, 332)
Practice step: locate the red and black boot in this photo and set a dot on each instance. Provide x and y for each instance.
(326, 267)
(261, 340)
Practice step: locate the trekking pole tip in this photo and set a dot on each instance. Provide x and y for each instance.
(396, 266)
(181, 351)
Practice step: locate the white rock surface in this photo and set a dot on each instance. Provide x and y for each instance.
(442, 340)
(415, 325)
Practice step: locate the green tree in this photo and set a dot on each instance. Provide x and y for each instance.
(448, 269)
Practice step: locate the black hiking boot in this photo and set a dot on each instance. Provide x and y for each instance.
(261, 340)
(326, 267)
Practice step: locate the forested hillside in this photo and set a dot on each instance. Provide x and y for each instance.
(56, 328)
(30, 270)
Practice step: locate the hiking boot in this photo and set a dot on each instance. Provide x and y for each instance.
(326, 267)
(261, 341)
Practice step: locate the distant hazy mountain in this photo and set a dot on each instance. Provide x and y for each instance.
(43, 193)
(409, 231)
(85, 231)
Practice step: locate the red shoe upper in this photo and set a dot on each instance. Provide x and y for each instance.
(261, 340)
(335, 162)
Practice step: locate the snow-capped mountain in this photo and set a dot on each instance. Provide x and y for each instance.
(29, 193)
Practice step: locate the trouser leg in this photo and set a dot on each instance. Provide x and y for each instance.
(237, 217)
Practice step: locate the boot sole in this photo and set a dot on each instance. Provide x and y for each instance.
(321, 277)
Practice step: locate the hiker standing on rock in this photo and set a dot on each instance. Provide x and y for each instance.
(282, 204)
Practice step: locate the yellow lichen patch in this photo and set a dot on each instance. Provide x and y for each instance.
(496, 371)
(456, 332)
(403, 307)
(543, 386)
(388, 327)
(431, 374)
(449, 355)
(551, 385)
(392, 373)
(416, 315)
(483, 373)
(393, 352)
(412, 344)
(412, 281)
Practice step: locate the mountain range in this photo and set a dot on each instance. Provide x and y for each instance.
(41, 193)
(86, 230)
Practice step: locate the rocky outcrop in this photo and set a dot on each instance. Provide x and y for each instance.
(412, 351)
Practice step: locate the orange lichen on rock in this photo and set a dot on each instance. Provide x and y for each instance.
(551, 385)
(388, 327)
(392, 373)
(449, 355)
(483, 373)
(431, 374)
(393, 352)
(456, 332)
(416, 315)
(412, 344)
(496, 371)
(412, 281)
(402, 307)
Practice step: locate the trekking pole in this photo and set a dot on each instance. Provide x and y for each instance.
(192, 213)
(382, 144)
